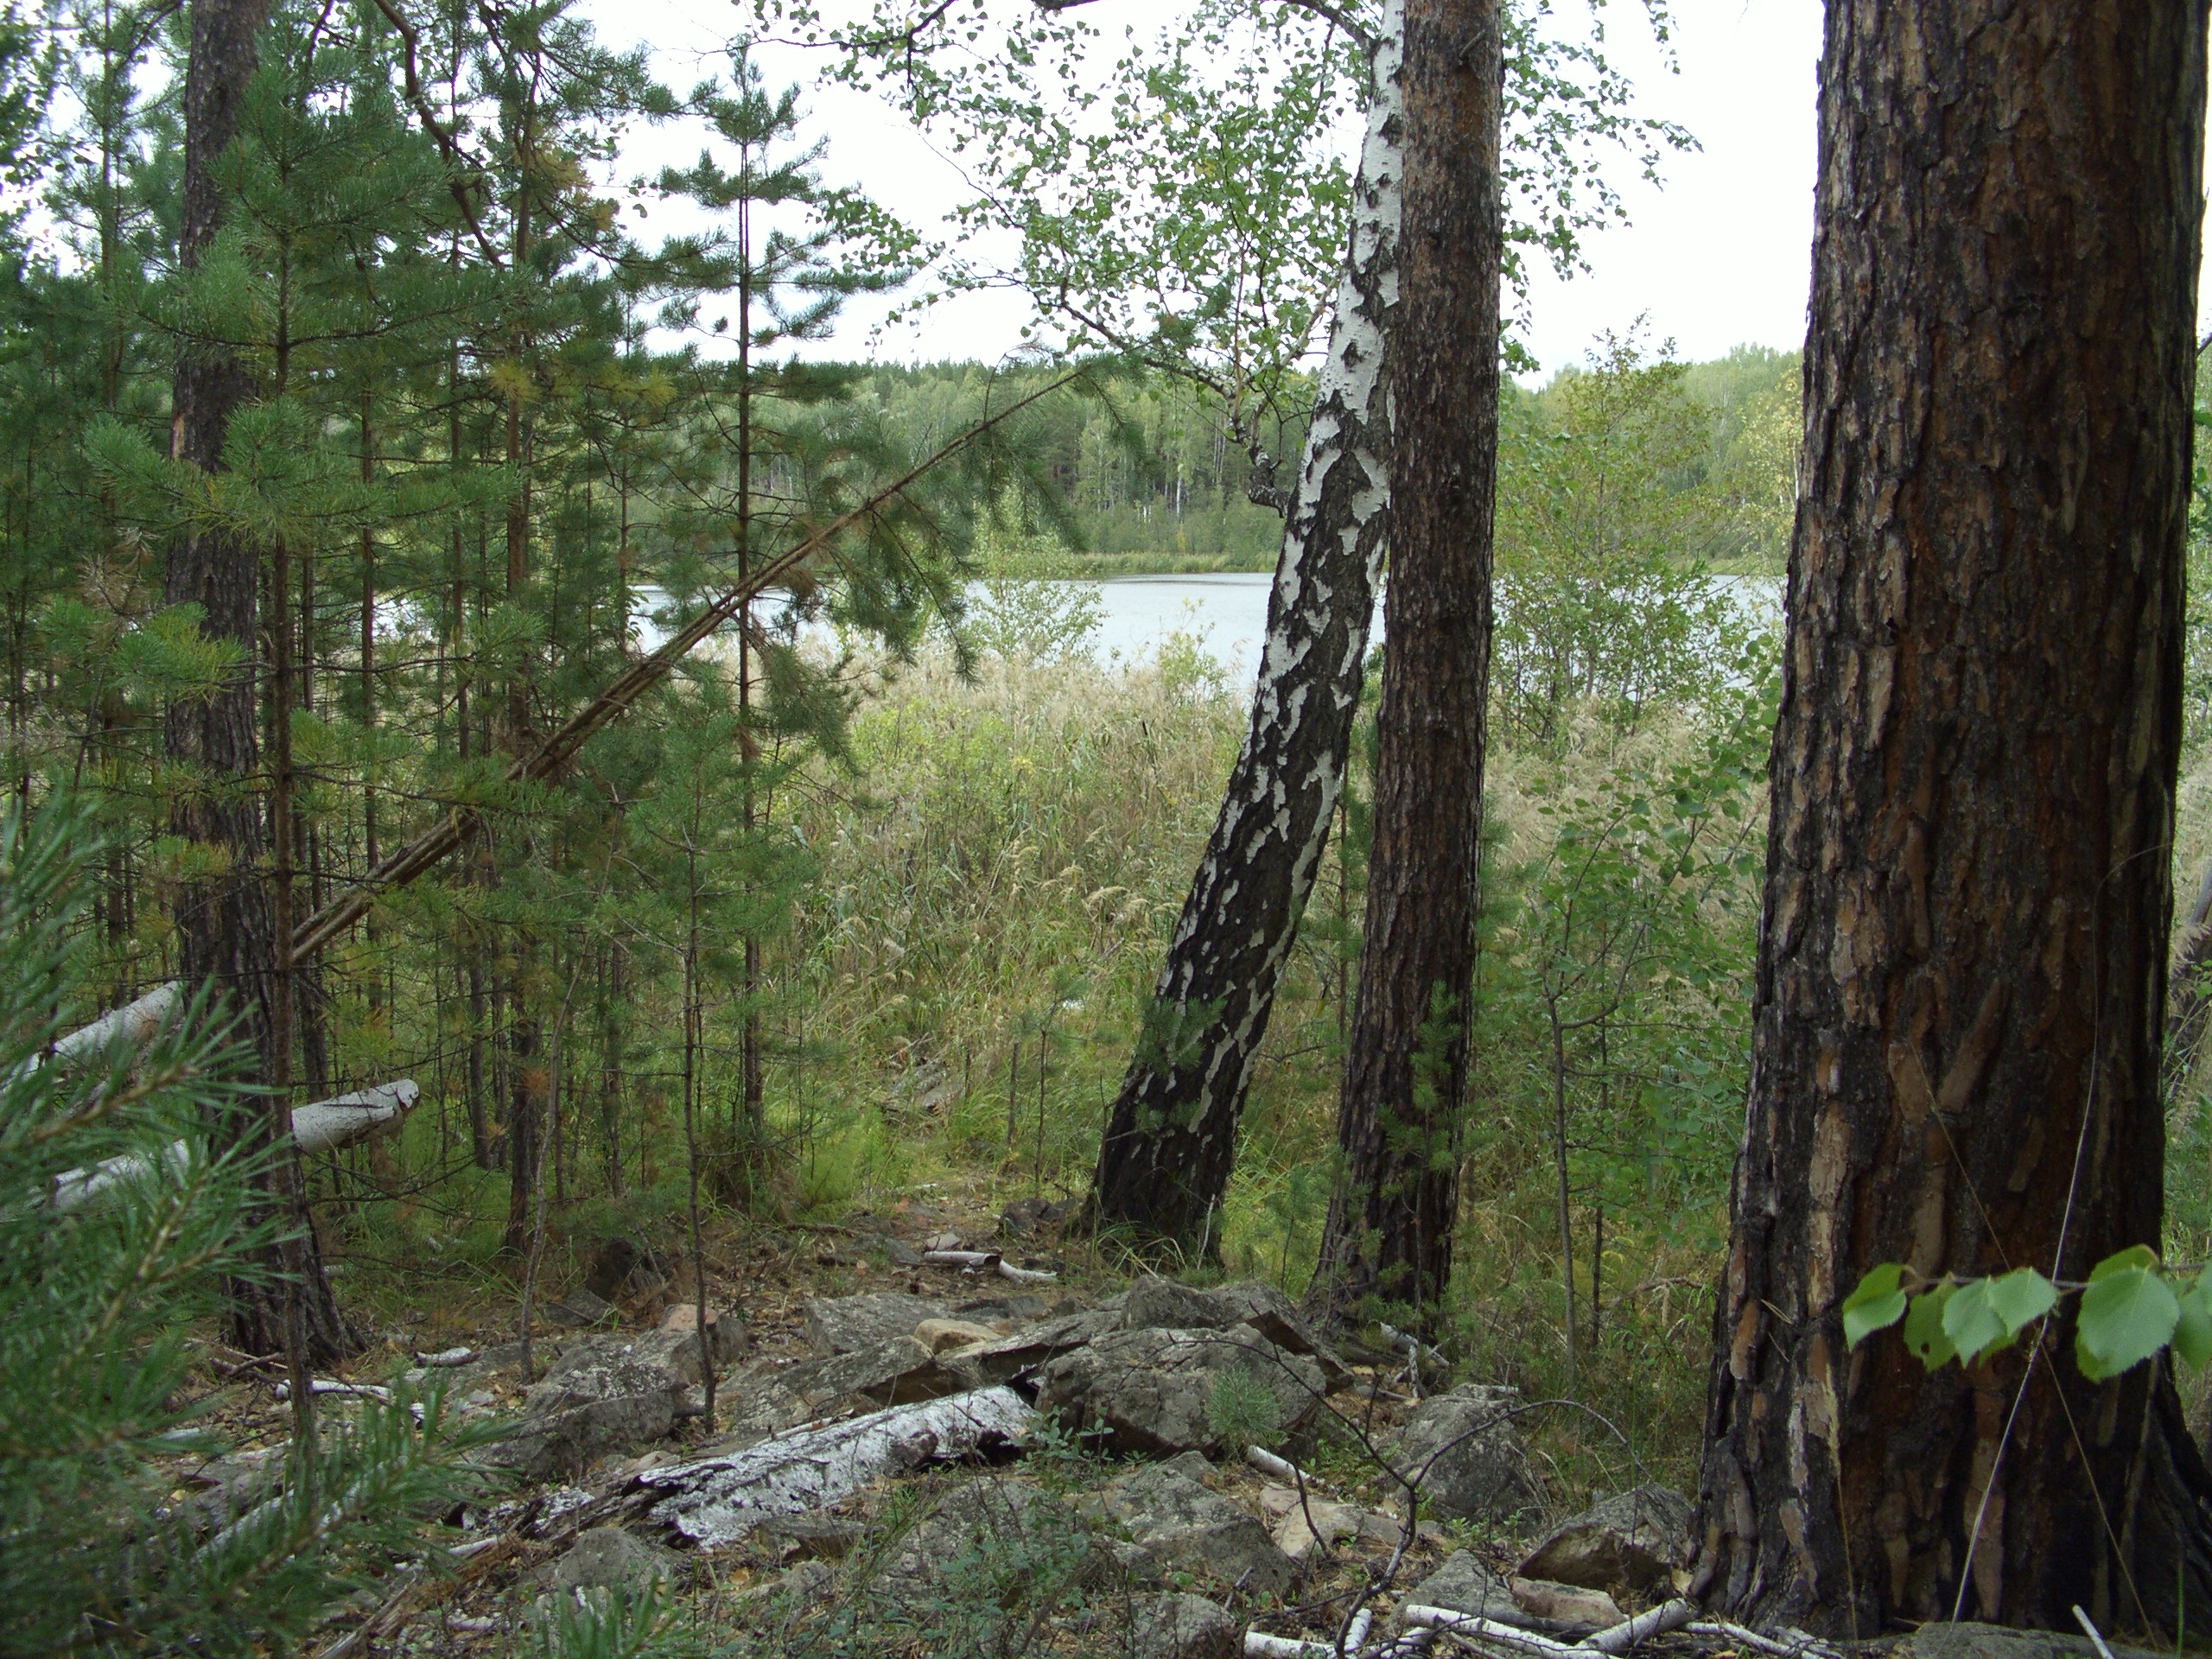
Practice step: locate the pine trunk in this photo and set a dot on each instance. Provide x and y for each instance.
(1390, 1228)
(1962, 964)
(1170, 1139)
(227, 928)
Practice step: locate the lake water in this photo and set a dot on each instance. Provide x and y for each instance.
(1226, 613)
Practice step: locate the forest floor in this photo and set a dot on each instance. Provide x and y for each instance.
(1008, 1554)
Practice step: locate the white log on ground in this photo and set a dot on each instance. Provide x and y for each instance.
(1667, 1616)
(720, 1500)
(976, 1261)
(1456, 1623)
(323, 1385)
(1281, 1468)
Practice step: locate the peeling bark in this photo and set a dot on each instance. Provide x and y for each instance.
(1171, 1140)
(1961, 965)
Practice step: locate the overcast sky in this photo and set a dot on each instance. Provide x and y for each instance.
(1716, 255)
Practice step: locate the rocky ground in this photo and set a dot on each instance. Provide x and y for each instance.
(982, 1458)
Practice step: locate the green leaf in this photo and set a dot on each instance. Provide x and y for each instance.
(1877, 1304)
(2020, 1298)
(1923, 1326)
(2128, 1314)
(2193, 1329)
(1972, 1325)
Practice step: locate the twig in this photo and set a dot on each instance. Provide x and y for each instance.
(2090, 1630)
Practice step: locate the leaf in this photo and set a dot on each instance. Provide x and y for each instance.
(2020, 1298)
(2128, 1314)
(1877, 1304)
(2193, 1329)
(1972, 1325)
(1923, 1326)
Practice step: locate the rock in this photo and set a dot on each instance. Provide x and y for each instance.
(1013, 1359)
(1026, 1217)
(1266, 1309)
(621, 1266)
(579, 1414)
(1175, 1522)
(1330, 1523)
(992, 1517)
(1183, 1627)
(1477, 1469)
(608, 1558)
(899, 1253)
(1565, 1604)
(813, 1537)
(1635, 1538)
(579, 1307)
(1464, 1586)
(1148, 1391)
(844, 1324)
(943, 1336)
(1012, 1310)
(674, 1347)
(1972, 1641)
(885, 1373)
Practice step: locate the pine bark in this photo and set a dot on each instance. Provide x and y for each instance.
(1388, 1232)
(227, 928)
(1962, 963)
(1170, 1139)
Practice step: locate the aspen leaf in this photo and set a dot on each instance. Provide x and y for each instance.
(1877, 1304)
(1973, 1326)
(1923, 1326)
(2193, 1329)
(2020, 1298)
(2128, 1312)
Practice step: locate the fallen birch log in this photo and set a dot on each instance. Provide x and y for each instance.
(1281, 1468)
(323, 1385)
(134, 1023)
(720, 1500)
(1258, 1644)
(1455, 1623)
(323, 1126)
(445, 1358)
(1804, 1647)
(972, 1260)
(1667, 1616)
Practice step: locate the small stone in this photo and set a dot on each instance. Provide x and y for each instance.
(1183, 1627)
(581, 1306)
(1175, 1522)
(1150, 1391)
(947, 1240)
(608, 1558)
(1464, 1585)
(1565, 1604)
(944, 1335)
(1328, 1522)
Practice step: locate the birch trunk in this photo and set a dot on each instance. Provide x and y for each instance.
(1171, 1140)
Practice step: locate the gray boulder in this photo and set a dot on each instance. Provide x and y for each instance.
(608, 1558)
(1477, 1468)
(1972, 1641)
(580, 1414)
(1636, 1538)
(1183, 1627)
(1174, 1522)
(845, 1324)
(1148, 1391)
(1464, 1586)
(977, 1526)
(1253, 1303)
(894, 1373)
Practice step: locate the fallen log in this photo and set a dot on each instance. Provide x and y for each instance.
(325, 1126)
(134, 1023)
(720, 1500)
(971, 1261)
(1457, 1623)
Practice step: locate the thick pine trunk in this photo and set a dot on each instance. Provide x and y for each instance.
(226, 929)
(1171, 1140)
(1390, 1228)
(1962, 964)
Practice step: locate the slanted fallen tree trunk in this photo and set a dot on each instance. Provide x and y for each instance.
(720, 1500)
(323, 1126)
(134, 1023)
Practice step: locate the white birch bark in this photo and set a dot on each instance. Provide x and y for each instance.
(1170, 1142)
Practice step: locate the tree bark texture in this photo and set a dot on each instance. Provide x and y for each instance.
(227, 929)
(1171, 1140)
(1962, 962)
(1390, 1227)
